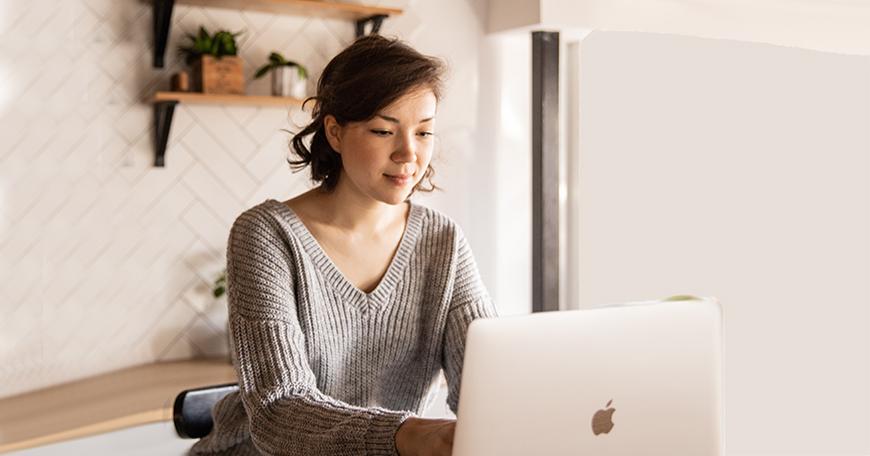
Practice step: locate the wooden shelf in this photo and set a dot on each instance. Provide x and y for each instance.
(116, 400)
(245, 100)
(362, 15)
(348, 11)
(164, 107)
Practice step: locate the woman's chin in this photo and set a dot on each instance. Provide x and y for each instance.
(395, 197)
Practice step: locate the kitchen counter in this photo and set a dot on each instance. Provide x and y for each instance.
(104, 403)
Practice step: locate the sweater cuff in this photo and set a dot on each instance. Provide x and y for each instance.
(381, 434)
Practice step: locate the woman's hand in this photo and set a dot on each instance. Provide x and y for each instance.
(425, 437)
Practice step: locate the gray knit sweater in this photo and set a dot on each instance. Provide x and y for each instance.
(323, 367)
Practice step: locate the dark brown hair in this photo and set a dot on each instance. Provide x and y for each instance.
(364, 78)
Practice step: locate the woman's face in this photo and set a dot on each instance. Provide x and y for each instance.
(385, 157)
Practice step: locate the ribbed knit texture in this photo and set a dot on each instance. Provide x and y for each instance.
(323, 367)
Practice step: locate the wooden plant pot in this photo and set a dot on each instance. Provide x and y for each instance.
(224, 75)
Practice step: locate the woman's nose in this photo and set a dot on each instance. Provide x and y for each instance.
(407, 151)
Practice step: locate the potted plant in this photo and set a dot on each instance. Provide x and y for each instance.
(288, 77)
(216, 66)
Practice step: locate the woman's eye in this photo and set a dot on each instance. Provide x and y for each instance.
(387, 133)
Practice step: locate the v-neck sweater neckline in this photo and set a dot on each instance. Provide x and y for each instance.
(379, 297)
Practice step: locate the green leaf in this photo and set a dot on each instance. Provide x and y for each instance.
(681, 298)
(229, 44)
(220, 44)
(214, 48)
(219, 291)
(203, 45)
(263, 70)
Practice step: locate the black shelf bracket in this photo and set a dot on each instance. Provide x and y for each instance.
(162, 15)
(376, 21)
(163, 111)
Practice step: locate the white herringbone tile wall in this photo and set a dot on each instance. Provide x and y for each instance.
(107, 261)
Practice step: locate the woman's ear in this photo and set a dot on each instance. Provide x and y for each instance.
(333, 132)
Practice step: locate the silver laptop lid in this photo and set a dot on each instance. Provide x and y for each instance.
(639, 378)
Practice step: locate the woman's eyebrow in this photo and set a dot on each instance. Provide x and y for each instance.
(394, 120)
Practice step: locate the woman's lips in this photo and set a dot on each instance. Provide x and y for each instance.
(400, 180)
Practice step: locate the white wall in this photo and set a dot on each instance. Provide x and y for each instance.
(507, 106)
(106, 261)
(485, 130)
(833, 26)
(740, 171)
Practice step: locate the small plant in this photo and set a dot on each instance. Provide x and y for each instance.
(277, 60)
(220, 285)
(223, 43)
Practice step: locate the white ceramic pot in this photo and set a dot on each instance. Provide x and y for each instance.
(286, 82)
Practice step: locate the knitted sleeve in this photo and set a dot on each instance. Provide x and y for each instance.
(287, 413)
(469, 300)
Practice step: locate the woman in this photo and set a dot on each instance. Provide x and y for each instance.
(347, 301)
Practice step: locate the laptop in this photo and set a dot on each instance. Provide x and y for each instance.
(640, 378)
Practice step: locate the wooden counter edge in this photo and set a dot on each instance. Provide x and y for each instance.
(146, 394)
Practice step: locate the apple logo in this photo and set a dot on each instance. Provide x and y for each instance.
(602, 421)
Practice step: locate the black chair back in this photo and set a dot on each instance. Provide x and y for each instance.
(191, 411)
